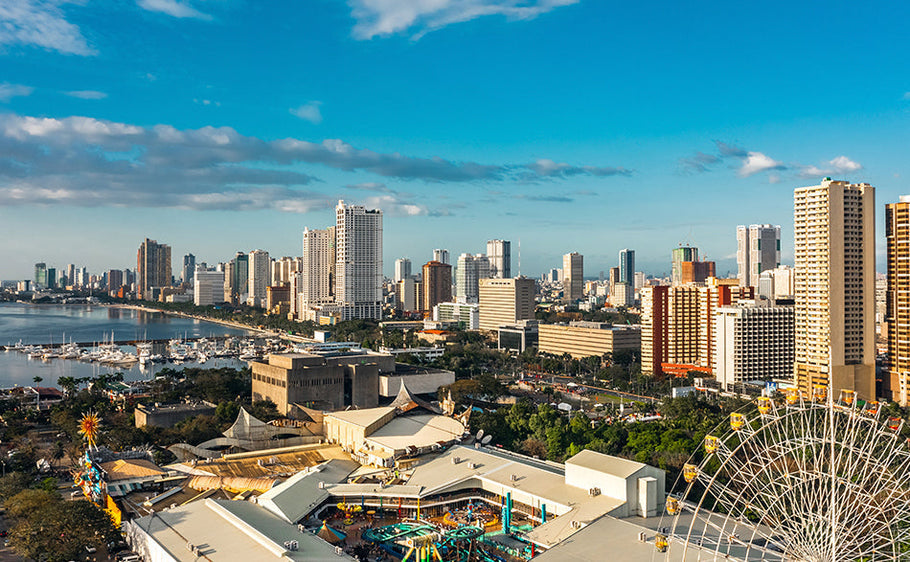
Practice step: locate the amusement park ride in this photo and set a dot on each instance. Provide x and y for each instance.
(804, 478)
(87, 475)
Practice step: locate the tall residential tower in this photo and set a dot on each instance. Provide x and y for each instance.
(358, 266)
(757, 251)
(499, 253)
(834, 243)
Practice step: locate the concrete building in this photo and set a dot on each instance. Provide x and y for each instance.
(678, 256)
(358, 267)
(757, 250)
(189, 269)
(330, 380)
(465, 314)
(259, 277)
(169, 415)
(777, 283)
(754, 342)
(505, 301)
(518, 337)
(586, 339)
(471, 269)
(696, 271)
(437, 284)
(409, 295)
(153, 268)
(441, 255)
(834, 262)
(499, 253)
(573, 281)
(896, 383)
(627, 267)
(240, 278)
(623, 295)
(402, 269)
(317, 268)
(208, 287)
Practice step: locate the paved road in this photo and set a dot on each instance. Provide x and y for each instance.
(611, 392)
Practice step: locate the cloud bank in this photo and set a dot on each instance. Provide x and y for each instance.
(84, 161)
(751, 162)
(40, 23)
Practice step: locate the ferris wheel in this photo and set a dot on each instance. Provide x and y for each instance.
(805, 478)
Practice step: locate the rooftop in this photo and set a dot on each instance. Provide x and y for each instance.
(125, 469)
(362, 418)
(272, 463)
(418, 431)
(600, 462)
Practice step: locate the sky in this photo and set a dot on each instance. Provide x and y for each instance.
(219, 126)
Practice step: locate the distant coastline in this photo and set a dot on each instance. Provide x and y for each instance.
(228, 323)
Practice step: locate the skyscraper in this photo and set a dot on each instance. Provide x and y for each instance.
(358, 266)
(897, 301)
(441, 256)
(437, 284)
(240, 278)
(757, 250)
(189, 269)
(316, 271)
(679, 255)
(153, 268)
(834, 266)
(208, 286)
(40, 276)
(402, 269)
(627, 267)
(260, 276)
(506, 301)
(499, 253)
(471, 269)
(573, 276)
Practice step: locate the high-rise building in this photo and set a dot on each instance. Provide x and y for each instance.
(259, 278)
(679, 255)
(500, 254)
(408, 295)
(896, 383)
(834, 263)
(70, 274)
(52, 277)
(402, 269)
(754, 343)
(283, 269)
(82, 278)
(317, 268)
(114, 280)
(776, 283)
(437, 284)
(153, 268)
(358, 267)
(40, 276)
(442, 256)
(240, 278)
(627, 267)
(506, 301)
(573, 276)
(639, 280)
(189, 269)
(208, 287)
(471, 269)
(697, 271)
(653, 328)
(757, 250)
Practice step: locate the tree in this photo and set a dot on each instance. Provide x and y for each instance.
(37, 379)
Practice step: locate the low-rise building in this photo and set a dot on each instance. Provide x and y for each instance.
(169, 415)
(518, 337)
(586, 339)
(466, 315)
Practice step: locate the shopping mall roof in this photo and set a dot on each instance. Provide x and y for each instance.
(297, 496)
(225, 531)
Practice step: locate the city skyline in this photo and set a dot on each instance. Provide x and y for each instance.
(224, 114)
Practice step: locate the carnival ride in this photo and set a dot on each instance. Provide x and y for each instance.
(87, 475)
(805, 478)
(420, 542)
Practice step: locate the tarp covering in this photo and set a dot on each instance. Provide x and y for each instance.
(329, 534)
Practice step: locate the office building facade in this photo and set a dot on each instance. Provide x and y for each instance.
(757, 250)
(573, 273)
(470, 270)
(259, 277)
(402, 269)
(627, 266)
(499, 253)
(506, 301)
(755, 342)
(437, 284)
(153, 268)
(678, 256)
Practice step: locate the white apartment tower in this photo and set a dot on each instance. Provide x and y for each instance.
(358, 266)
(573, 276)
(753, 342)
(471, 269)
(402, 269)
(757, 250)
(442, 256)
(499, 253)
(259, 277)
(208, 286)
(834, 266)
(314, 286)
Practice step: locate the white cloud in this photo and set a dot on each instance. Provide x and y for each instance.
(756, 162)
(86, 94)
(837, 166)
(309, 112)
(86, 161)
(40, 23)
(844, 164)
(388, 17)
(173, 8)
(9, 91)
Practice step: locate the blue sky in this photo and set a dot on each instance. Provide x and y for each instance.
(588, 126)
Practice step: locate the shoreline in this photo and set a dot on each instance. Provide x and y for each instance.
(218, 321)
